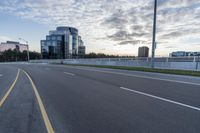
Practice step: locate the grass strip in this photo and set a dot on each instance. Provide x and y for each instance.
(156, 70)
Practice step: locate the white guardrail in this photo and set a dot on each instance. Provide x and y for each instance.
(189, 63)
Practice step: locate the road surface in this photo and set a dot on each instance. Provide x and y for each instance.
(40, 98)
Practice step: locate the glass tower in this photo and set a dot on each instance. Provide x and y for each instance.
(61, 43)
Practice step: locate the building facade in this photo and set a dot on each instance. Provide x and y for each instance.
(184, 54)
(12, 45)
(62, 43)
(81, 51)
(143, 51)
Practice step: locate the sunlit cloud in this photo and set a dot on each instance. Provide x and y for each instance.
(117, 22)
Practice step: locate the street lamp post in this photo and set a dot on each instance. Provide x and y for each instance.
(27, 48)
(154, 35)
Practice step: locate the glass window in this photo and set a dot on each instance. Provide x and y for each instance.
(59, 38)
(48, 38)
(53, 38)
(54, 43)
(43, 43)
(48, 43)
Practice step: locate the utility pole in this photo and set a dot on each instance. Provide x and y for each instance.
(27, 48)
(154, 35)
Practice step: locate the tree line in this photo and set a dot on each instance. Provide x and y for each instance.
(15, 55)
(101, 55)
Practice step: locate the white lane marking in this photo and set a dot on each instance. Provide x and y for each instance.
(138, 76)
(162, 99)
(1, 75)
(71, 74)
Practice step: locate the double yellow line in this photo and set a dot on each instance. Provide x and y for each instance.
(41, 105)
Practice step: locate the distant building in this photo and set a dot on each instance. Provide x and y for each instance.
(13, 45)
(143, 51)
(81, 51)
(184, 54)
(81, 48)
(61, 43)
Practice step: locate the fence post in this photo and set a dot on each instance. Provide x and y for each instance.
(197, 63)
(167, 59)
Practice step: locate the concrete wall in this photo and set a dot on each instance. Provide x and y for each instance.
(166, 64)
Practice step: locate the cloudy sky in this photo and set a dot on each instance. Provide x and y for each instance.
(106, 26)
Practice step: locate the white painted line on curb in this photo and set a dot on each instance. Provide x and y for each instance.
(160, 98)
(71, 74)
(138, 76)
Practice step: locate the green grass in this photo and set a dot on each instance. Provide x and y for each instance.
(166, 71)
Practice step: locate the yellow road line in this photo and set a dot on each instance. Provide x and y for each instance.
(10, 89)
(42, 108)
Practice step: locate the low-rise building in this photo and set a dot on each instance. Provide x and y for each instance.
(12, 45)
(184, 54)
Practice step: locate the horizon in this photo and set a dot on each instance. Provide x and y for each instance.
(110, 27)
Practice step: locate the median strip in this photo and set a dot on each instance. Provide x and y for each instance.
(143, 69)
(41, 106)
(10, 89)
(162, 99)
(137, 76)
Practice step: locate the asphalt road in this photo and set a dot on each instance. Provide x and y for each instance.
(96, 100)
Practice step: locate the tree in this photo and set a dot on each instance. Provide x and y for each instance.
(16, 55)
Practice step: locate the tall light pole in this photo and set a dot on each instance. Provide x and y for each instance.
(154, 35)
(27, 48)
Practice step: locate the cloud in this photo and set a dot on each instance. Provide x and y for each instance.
(119, 21)
(176, 19)
(120, 35)
(133, 42)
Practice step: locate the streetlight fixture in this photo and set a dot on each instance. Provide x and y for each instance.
(27, 48)
(154, 35)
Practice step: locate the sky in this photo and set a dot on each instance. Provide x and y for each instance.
(107, 26)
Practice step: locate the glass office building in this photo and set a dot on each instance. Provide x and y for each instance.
(61, 43)
(53, 47)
